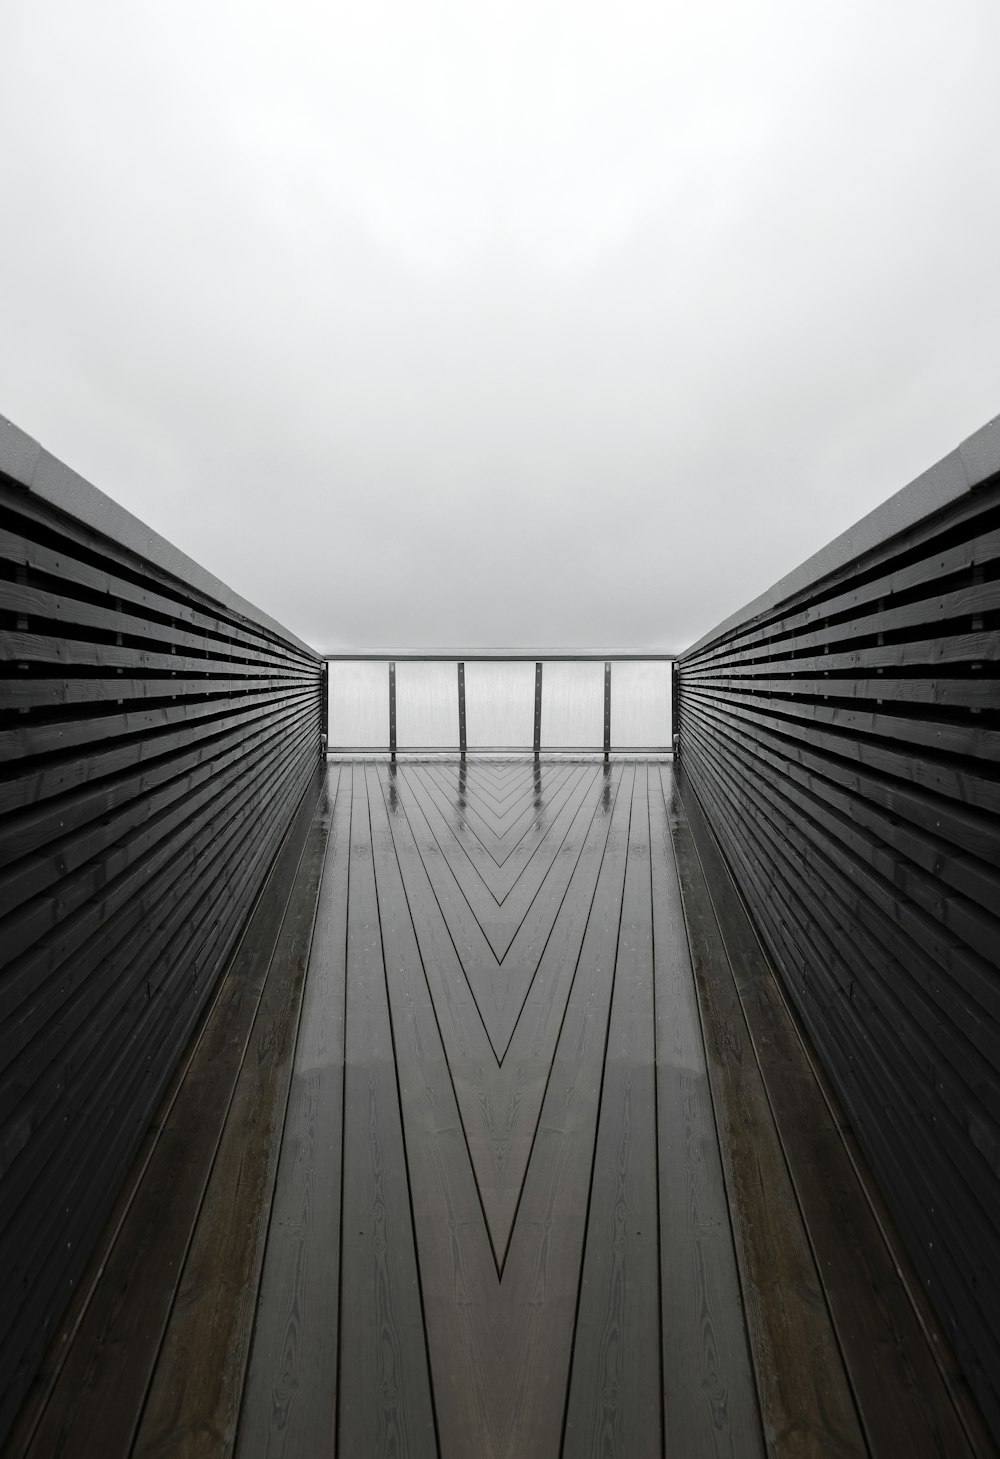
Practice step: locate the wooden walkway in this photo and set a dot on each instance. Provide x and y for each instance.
(499, 1140)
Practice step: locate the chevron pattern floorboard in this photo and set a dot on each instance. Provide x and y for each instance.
(515, 1180)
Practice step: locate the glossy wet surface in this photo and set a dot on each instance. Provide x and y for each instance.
(499, 1140)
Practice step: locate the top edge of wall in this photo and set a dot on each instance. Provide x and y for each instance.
(24, 461)
(500, 655)
(971, 464)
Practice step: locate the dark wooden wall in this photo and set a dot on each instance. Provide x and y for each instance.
(844, 743)
(154, 744)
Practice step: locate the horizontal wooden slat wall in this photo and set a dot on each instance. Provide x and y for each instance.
(154, 745)
(844, 744)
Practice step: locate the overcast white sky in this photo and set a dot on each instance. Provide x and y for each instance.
(515, 323)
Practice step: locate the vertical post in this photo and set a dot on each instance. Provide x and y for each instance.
(675, 708)
(392, 711)
(324, 709)
(461, 709)
(538, 710)
(607, 708)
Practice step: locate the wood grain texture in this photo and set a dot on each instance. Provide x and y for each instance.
(194, 1398)
(290, 1401)
(385, 1405)
(903, 1397)
(154, 746)
(805, 1399)
(614, 1397)
(843, 746)
(391, 1237)
(116, 1335)
(709, 1399)
(459, 1280)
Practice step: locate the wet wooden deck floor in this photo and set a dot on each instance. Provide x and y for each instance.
(499, 1141)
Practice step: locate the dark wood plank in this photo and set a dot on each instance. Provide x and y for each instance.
(64, 774)
(888, 931)
(908, 1148)
(194, 1397)
(500, 1103)
(873, 800)
(528, 1250)
(385, 1405)
(80, 728)
(907, 692)
(536, 901)
(110, 1339)
(106, 935)
(903, 1401)
(476, 956)
(955, 782)
(49, 653)
(929, 1150)
(55, 556)
(805, 1398)
(542, 1270)
(60, 692)
(85, 838)
(889, 723)
(93, 1138)
(290, 1398)
(493, 807)
(497, 806)
(822, 602)
(465, 850)
(477, 828)
(908, 875)
(512, 888)
(709, 1398)
(614, 1404)
(458, 1276)
(138, 976)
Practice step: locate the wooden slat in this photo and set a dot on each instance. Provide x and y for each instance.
(615, 1404)
(806, 1403)
(890, 1136)
(500, 1106)
(290, 1400)
(195, 1394)
(395, 1239)
(155, 746)
(134, 894)
(941, 693)
(941, 737)
(904, 1400)
(709, 1397)
(458, 1277)
(54, 1170)
(953, 805)
(65, 735)
(384, 1379)
(89, 1186)
(43, 693)
(138, 971)
(119, 1326)
(973, 522)
(65, 773)
(82, 557)
(546, 1247)
(42, 825)
(927, 860)
(844, 748)
(50, 655)
(910, 1056)
(87, 850)
(870, 916)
